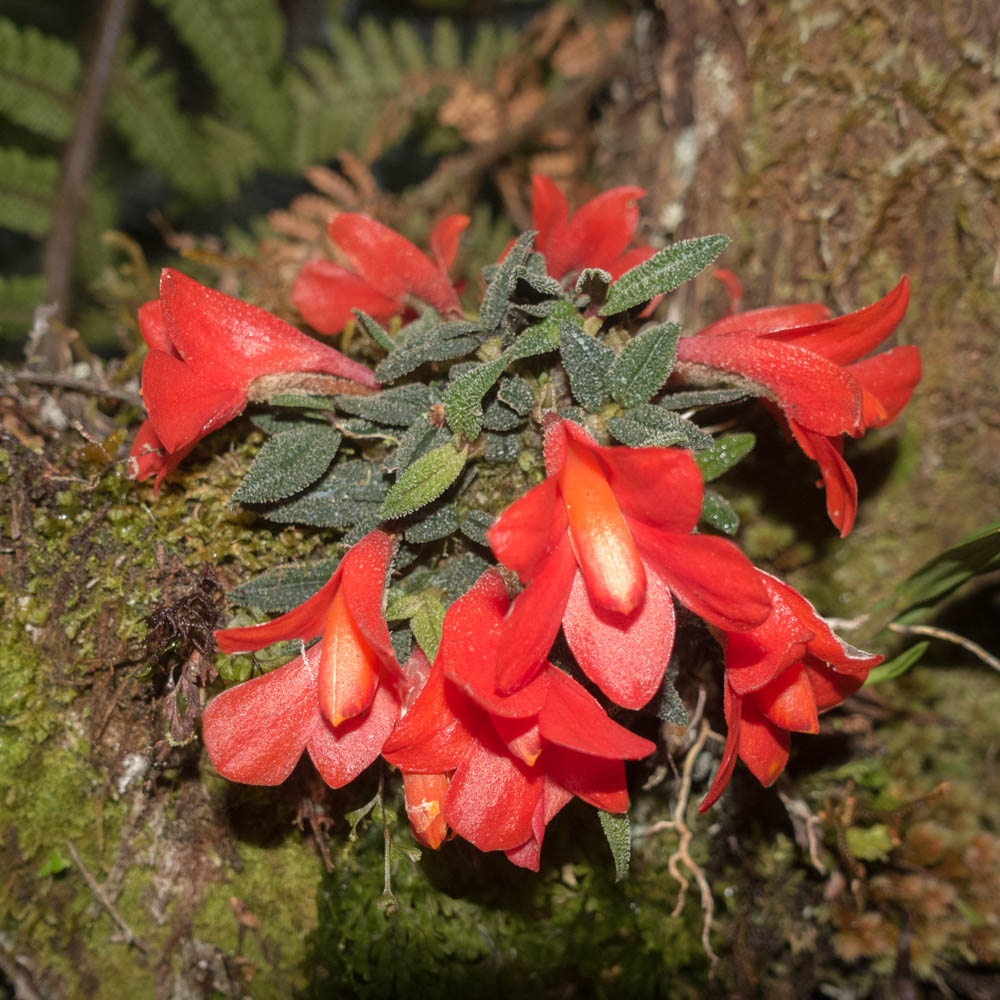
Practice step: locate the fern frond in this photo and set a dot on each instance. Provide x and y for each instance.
(19, 296)
(489, 45)
(233, 154)
(326, 117)
(27, 189)
(239, 44)
(381, 54)
(38, 80)
(410, 48)
(446, 46)
(142, 103)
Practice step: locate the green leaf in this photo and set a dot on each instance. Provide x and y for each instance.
(502, 283)
(55, 861)
(442, 343)
(304, 402)
(425, 480)
(286, 587)
(27, 191)
(502, 447)
(618, 832)
(593, 282)
(418, 439)
(517, 394)
(702, 397)
(646, 426)
(976, 553)
(280, 422)
(644, 364)
(456, 575)
(427, 624)
(724, 454)
(717, 511)
(440, 524)
(871, 843)
(397, 407)
(671, 706)
(587, 362)
(350, 493)
(498, 417)
(375, 330)
(474, 525)
(288, 463)
(663, 272)
(897, 666)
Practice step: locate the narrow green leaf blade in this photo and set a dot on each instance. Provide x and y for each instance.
(619, 834)
(717, 511)
(724, 454)
(648, 426)
(663, 272)
(463, 399)
(427, 625)
(644, 364)
(288, 463)
(501, 286)
(425, 480)
(898, 665)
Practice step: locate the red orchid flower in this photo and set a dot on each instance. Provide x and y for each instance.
(388, 271)
(807, 363)
(601, 545)
(205, 351)
(779, 677)
(498, 767)
(597, 235)
(339, 699)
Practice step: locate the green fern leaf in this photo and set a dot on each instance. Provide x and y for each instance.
(27, 188)
(381, 55)
(39, 76)
(446, 46)
(233, 153)
(410, 49)
(489, 45)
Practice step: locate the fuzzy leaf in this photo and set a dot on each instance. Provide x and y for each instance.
(702, 397)
(427, 624)
(502, 282)
(663, 272)
(425, 480)
(501, 447)
(717, 511)
(440, 524)
(442, 343)
(288, 463)
(475, 524)
(396, 407)
(897, 665)
(587, 362)
(517, 394)
(375, 330)
(279, 423)
(724, 454)
(593, 282)
(418, 439)
(644, 365)
(616, 828)
(456, 575)
(498, 417)
(653, 426)
(286, 587)
(303, 401)
(350, 493)
(671, 707)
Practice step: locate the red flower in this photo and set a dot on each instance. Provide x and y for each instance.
(601, 545)
(801, 359)
(388, 270)
(498, 767)
(205, 351)
(338, 699)
(597, 235)
(779, 677)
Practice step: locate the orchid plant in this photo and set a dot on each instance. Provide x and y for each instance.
(519, 493)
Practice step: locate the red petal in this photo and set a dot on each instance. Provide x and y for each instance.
(224, 338)
(365, 569)
(756, 322)
(733, 287)
(444, 240)
(598, 781)
(845, 338)
(256, 732)
(889, 378)
(830, 688)
(708, 575)
(523, 536)
(184, 404)
(810, 389)
(838, 480)
(304, 622)
(734, 712)
(424, 795)
(390, 263)
(756, 657)
(788, 701)
(533, 620)
(574, 719)
(325, 293)
(521, 737)
(598, 232)
(148, 457)
(763, 746)
(153, 327)
(341, 754)
(550, 213)
(625, 656)
(492, 797)
(628, 260)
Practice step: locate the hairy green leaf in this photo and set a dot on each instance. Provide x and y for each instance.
(427, 625)
(425, 480)
(717, 511)
(517, 394)
(351, 493)
(647, 426)
(440, 524)
(396, 407)
(702, 397)
(288, 463)
(286, 587)
(644, 364)
(616, 828)
(441, 343)
(663, 272)
(375, 330)
(725, 452)
(587, 362)
(498, 291)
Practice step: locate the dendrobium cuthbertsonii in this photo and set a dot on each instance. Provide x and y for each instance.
(339, 699)
(603, 546)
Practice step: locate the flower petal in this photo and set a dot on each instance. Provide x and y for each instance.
(148, 457)
(524, 535)
(492, 796)
(574, 719)
(889, 378)
(549, 213)
(708, 575)
(153, 327)
(625, 656)
(771, 319)
(788, 701)
(425, 795)
(444, 240)
(341, 754)
(325, 293)
(598, 232)
(390, 263)
(730, 754)
(829, 687)
(763, 746)
(366, 567)
(838, 480)
(599, 781)
(256, 731)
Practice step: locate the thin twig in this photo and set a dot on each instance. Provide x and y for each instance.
(940, 633)
(76, 384)
(102, 898)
